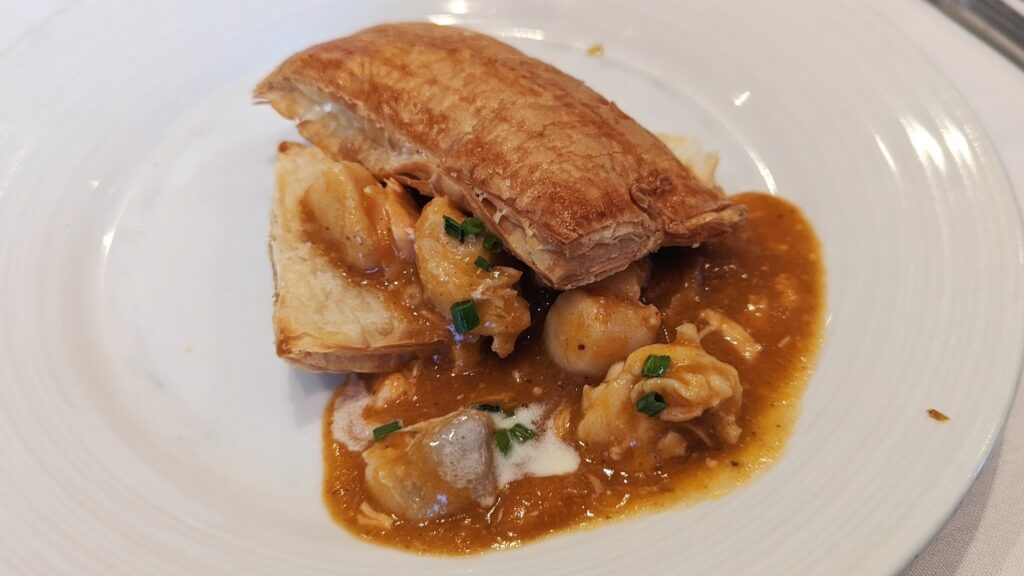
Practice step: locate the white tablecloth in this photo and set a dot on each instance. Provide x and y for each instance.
(986, 535)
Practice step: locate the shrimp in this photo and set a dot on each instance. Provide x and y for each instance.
(694, 385)
(450, 273)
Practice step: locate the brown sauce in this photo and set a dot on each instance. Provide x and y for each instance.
(768, 277)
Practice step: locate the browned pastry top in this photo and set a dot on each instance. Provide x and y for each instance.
(530, 148)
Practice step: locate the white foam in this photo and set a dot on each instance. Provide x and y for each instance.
(543, 455)
(348, 425)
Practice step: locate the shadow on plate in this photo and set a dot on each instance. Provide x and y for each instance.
(310, 392)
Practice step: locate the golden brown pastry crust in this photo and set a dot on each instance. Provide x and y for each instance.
(575, 187)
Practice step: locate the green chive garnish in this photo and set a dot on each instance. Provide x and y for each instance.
(655, 366)
(651, 404)
(382, 432)
(473, 226)
(464, 316)
(454, 229)
(492, 244)
(486, 407)
(521, 433)
(483, 264)
(503, 441)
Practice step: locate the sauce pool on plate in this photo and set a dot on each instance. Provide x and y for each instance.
(758, 298)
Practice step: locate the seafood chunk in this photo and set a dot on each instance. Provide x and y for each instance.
(434, 468)
(449, 272)
(610, 418)
(693, 385)
(736, 335)
(589, 329)
(367, 227)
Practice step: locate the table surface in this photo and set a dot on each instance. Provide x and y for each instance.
(986, 535)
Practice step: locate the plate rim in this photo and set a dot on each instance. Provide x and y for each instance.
(994, 165)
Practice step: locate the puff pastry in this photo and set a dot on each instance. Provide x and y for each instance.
(575, 188)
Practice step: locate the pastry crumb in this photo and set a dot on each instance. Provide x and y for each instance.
(936, 415)
(596, 50)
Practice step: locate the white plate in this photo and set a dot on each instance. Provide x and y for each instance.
(148, 427)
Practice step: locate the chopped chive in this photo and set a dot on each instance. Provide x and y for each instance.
(473, 226)
(464, 316)
(486, 407)
(483, 264)
(454, 229)
(492, 244)
(521, 433)
(651, 404)
(655, 365)
(502, 439)
(382, 432)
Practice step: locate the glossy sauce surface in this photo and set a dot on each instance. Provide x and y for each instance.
(768, 278)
